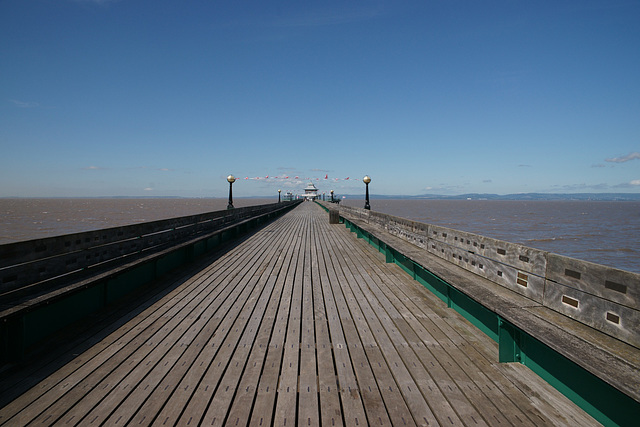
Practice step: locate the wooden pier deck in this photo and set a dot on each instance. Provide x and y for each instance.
(298, 324)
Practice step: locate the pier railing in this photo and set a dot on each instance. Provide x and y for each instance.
(601, 297)
(48, 283)
(572, 322)
(35, 263)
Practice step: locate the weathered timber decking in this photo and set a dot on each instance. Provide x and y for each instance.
(299, 324)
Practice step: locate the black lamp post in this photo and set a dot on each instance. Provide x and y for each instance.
(279, 195)
(231, 180)
(331, 196)
(366, 181)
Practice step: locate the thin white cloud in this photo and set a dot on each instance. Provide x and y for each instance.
(631, 156)
(444, 189)
(148, 189)
(585, 187)
(145, 168)
(24, 104)
(635, 182)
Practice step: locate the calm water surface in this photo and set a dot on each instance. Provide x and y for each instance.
(602, 232)
(25, 219)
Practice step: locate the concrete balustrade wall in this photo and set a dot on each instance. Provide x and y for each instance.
(602, 297)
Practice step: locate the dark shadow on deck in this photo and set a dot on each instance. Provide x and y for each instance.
(64, 346)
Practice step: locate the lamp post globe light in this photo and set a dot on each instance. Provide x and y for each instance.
(231, 180)
(331, 196)
(367, 180)
(279, 191)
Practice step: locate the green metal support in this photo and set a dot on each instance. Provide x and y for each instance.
(508, 342)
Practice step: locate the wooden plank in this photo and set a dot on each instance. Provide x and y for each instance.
(92, 373)
(470, 381)
(420, 341)
(172, 330)
(230, 384)
(85, 363)
(345, 342)
(95, 332)
(415, 356)
(330, 411)
(551, 407)
(163, 391)
(190, 328)
(379, 326)
(198, 385)
(483, 387)
(240, 411)
(168, 382)
(500, 392)
(223, 397)
(286, 402)
(367, 383)
(263, 409)
(308, 403)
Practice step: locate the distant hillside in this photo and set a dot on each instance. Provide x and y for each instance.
(520, 196)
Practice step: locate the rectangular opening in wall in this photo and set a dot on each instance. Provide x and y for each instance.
(613, 318)
(501, 251)
(615, 287)
(523, 279)
(524, 258)
(571, 273)
(570, 301)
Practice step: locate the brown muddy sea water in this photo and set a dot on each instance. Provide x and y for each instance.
(606, 233)
(602, 232)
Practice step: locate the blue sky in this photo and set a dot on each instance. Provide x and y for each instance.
(158, 98)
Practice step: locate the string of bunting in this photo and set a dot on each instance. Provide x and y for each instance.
(297, 177)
